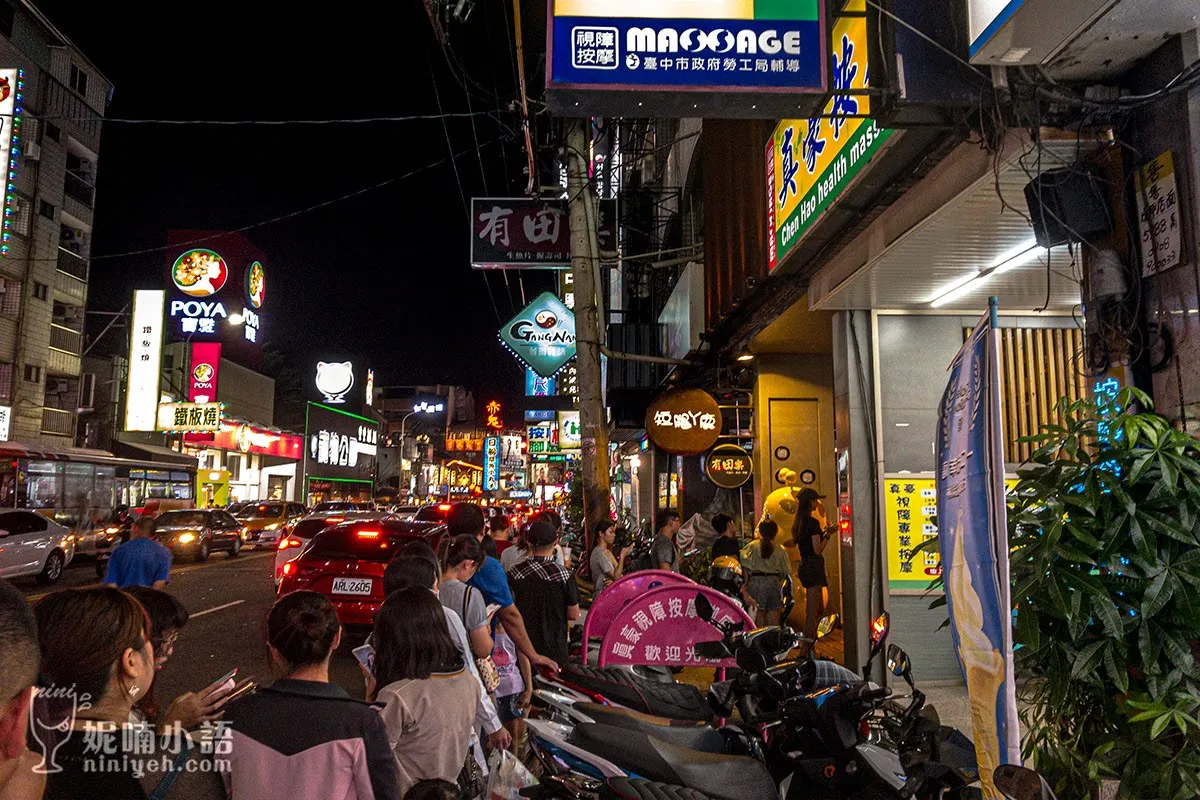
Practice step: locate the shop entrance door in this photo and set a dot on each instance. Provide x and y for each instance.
(797, 440)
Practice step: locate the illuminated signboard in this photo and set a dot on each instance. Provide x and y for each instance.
(684, 422)
(5, 422)
(491, 463)
(811, 162)
(205, 371)
(728, 466)
(719, 47)
(494, 421)
(340, 445)
(536, 385)
(539, 415)
(243, 438)
(542, 335)
(334, 380)
(370, 387)
(189, 417)
(145, 360)
(199, 273)
(251, 323)
(256, 285)
(508, 232)
(542, 438)
(570, 437)
(12, 102)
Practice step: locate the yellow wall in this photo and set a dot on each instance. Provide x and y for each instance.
(804, 377)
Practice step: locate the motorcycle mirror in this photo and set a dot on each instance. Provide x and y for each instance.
(826, 625)
(1020, 783)
(704, 608)
(879, 630)
(714, 649)
(898, 662)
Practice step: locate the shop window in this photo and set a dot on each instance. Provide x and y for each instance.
(234, 466)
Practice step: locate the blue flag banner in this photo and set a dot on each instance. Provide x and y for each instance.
(973, 536)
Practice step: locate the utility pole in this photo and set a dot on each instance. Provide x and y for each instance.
(584, 248)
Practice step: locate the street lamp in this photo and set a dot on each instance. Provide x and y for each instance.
(423, 407)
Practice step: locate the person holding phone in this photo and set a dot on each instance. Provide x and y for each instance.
(811, 531)
(344, 741)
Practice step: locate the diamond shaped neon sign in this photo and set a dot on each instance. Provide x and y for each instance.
(542, 335)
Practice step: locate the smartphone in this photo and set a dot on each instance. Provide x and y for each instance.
(492, 609)
(243, 687)
(227, 678)
(366, 656)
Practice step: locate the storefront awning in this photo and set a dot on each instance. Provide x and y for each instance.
(954, 223)
(157, 453)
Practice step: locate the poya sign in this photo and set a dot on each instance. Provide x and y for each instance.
(684, 422)
(542, 335)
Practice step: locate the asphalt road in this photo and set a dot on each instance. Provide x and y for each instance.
(228, 599)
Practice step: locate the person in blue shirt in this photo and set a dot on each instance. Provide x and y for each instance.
(492, 582)
(141, 561)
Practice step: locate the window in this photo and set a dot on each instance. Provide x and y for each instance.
(235, 468)
(52, 132)
(41, 291)
(44, 482)
(168, 363)
(33, 374)
(46, 209)
(19, 522)
(79, 80)
(22, 211)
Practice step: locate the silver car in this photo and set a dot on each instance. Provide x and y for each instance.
(31, 544)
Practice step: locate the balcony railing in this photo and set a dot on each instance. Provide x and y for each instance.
(57, 421)
(62, 338)
(79, 188)
(73, 264)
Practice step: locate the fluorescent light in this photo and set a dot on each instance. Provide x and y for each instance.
(744, 357)
(955, 284)
(951, 296)
(1012, 258)
(903, 424)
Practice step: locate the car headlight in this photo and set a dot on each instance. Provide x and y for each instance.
(274, 526)
(113, 529)
(185, 538)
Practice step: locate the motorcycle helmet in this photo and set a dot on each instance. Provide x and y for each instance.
(725, 575)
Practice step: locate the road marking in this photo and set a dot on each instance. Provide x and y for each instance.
(174, 572)
(215, 608)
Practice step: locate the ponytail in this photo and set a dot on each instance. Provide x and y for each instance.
(768, 530)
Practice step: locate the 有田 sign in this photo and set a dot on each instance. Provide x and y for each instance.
(1158, 214)
(728, 466)
(811, 162)
(684, 422)
(5, 422)
(189, 417)
(719, 45)
(529, 234)
(542, 335)
(145, 360)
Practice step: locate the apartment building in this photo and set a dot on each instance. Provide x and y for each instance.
(53, 135)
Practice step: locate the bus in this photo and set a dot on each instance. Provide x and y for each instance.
(83, 490)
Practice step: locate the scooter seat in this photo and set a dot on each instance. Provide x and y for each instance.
(627, 789)
(718, 776)
(681, 733)
(672, 700)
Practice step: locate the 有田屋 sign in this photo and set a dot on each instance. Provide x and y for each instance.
(189, 417)
(491, 463)
(529, 234)
(811, 162)
(1158, 214)
(145, 360)
(684, 422)
(12, 101)
(719, 46)
(542, 335)
(205, 371)
(728, 466)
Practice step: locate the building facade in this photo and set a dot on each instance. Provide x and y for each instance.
(60, 98)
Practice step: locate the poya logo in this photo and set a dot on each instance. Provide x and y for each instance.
(542, 335)
(722, 40)
(203, 375)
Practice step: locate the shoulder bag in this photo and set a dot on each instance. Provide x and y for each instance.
(488, 674)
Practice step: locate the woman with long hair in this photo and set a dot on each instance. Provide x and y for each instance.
(345, 744)
(811, 531)
(428, 696)
(463, 557)
(97, 662)
(767, 565)
(606, 565)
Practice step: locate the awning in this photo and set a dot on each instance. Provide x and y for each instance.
(952, 224)
(15, 449)
(156, 453)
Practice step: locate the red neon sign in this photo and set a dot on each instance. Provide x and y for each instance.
(249, 439)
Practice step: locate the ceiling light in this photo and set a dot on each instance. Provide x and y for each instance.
(744, 357)
(1016, 256)
(903, 424)
(958, 283)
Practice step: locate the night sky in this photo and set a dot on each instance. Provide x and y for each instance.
(384, 275)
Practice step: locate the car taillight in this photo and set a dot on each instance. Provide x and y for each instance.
(288, 568)
(334, 520)
(445, 507)
(367, 534)
(287, 542)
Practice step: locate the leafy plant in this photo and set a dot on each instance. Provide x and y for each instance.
(1104, 527)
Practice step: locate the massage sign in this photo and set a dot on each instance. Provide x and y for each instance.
(684, 422)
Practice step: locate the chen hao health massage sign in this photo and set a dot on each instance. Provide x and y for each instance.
(684, 422)
(811, 162)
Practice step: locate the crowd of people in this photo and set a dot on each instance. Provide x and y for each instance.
(448, 674)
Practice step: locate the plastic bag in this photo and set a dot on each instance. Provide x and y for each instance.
(507, 776)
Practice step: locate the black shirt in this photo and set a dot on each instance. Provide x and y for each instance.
(726, 546)
(543, 590)
(808, 529)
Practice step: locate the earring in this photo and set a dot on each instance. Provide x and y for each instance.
(133, 690)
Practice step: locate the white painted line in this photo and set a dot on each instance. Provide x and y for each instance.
(215, 608)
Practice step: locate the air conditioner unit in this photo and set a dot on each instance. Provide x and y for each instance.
(33, 151)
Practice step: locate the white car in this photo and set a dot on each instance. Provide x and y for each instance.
(302, 533)
(31, 544)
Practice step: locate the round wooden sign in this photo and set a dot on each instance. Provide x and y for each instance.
(685, 422)
(728, 466)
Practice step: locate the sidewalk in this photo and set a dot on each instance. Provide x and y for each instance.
(950, 700)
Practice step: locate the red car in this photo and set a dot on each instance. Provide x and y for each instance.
(346, 563)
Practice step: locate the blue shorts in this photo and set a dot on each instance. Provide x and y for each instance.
(507, 708)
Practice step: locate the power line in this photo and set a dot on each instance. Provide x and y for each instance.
(316, 206)
(269, 122)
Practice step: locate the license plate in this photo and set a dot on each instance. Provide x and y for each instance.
(351, 585)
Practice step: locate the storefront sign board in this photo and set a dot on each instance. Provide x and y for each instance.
(661, 628)
(1158, 214)
(684, 422)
